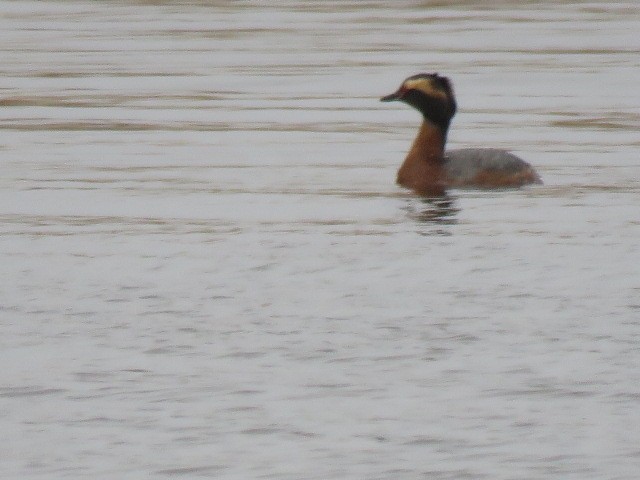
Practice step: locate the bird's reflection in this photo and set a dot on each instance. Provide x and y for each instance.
(433, 211)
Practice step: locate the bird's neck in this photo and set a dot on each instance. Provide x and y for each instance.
(429, 144)
(422, 170)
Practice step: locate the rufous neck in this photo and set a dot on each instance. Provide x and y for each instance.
(429, 144)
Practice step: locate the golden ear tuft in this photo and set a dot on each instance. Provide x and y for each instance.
(426, 85)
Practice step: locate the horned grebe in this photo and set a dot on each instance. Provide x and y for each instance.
(428, 169)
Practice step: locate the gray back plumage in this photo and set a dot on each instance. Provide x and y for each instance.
(465, 163)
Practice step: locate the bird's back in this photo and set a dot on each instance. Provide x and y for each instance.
(488, 167)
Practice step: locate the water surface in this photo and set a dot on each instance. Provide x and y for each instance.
(209, 272)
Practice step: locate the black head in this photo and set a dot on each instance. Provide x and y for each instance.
(429, 93)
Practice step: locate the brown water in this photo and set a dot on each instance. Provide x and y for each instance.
(209, 272)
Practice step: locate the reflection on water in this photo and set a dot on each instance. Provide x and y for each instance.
(437, 211)
(208, 269)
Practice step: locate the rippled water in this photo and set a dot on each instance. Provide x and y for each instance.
(209, 272)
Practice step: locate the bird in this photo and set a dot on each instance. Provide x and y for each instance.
(428, 169)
